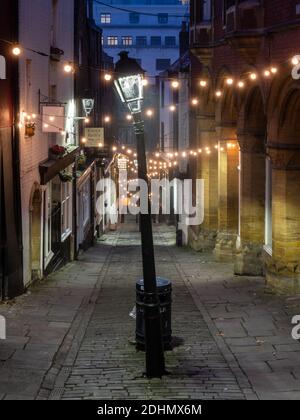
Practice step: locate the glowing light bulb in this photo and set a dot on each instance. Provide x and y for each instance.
(33, 116)
(68, 68)
(86, 120)
(253, 76)
(229, 81)
(203, 83)
(107, 77)
(145, 82)
(218, 93)
(129, 117)
(16, 51)
(100, 145)
(274, 70)
(295, 60)
(267, 73)
(83, 140)
(149, 112)
(172, 108)
(114, 149)
(175, 84)
(107, 119)
(241, 84)
(195, 101)
(51, 119)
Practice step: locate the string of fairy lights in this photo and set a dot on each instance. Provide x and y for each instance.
(159, 162)
(169, 159)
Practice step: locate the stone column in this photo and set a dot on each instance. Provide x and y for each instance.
(228, 194)
(203, 237)
(248, 258)
(283, 268)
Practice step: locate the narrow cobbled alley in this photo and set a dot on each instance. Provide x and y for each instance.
(71, 336)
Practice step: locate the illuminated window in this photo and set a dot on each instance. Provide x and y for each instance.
(112, 40)
(105, 18)
(127, 40)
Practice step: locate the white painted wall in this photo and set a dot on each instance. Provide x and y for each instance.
(36, 32)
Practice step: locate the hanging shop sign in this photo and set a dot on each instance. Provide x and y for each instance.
(94, 136)
(2, 68)
(54, 119)
(88, 106)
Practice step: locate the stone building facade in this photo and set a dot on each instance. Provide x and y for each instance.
(249, 112)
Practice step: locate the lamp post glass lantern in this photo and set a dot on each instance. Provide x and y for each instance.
(129, 78)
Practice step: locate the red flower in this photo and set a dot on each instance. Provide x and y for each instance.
(58, 150)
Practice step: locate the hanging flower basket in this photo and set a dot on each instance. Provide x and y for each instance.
(65, 176)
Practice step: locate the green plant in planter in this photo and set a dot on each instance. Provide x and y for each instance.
(81, 161)
(65, 176)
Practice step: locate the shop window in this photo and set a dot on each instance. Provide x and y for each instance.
(66, 209)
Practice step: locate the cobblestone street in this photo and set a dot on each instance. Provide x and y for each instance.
(71, 336)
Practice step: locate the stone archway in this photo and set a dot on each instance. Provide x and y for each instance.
(203, 237)
(252, 136)
(283, 267)
(36, 233)
(228, 162)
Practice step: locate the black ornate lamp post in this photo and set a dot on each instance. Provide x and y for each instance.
(129, 84)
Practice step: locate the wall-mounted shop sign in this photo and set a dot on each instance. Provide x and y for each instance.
(2, 68)
(94, 136)
(54, 120)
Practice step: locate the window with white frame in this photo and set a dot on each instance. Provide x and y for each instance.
(66, 209)
(127, 40)
(105, 18)
(268, 207)
(112, 40)
(48, 223)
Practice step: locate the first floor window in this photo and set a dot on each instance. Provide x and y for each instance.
(170, 41)
(127, 40)
(155, 41)
(112, 40)
(141, 41)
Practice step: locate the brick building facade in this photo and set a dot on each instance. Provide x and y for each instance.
(249, 112)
